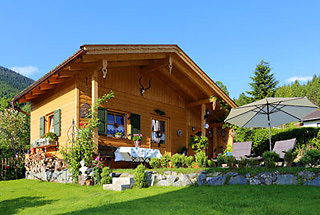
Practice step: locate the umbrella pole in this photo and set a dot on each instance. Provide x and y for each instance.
(268, 113)
(270, 136)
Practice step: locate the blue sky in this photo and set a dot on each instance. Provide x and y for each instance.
(226, 38)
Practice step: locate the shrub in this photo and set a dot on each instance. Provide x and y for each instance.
(270, 159)
(189, 161)
(311, 158)
(178, 160)
(289, 157)
(211, 163)
(106, 178)
(231, 161)
(165, 160)
(199, 143)
(243, 163)
(201, 158)
(252, 162)
(220, 160)
(154, 163)
(140, 176)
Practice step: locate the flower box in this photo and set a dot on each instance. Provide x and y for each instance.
(43, 142)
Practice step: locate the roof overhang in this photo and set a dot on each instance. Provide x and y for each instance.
(114, 54)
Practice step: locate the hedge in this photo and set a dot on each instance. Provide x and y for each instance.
(260, 137)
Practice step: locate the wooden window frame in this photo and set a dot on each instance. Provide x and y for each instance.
(47, 122)
(125, 119)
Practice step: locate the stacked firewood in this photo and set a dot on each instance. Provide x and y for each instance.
(42, 162)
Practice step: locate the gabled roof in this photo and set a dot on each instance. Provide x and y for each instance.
(315, 115)
(91, 56)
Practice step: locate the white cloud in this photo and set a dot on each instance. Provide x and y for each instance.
(25, 70)
(303, 79)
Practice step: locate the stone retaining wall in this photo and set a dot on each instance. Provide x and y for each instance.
(171, 178)
(62, 176)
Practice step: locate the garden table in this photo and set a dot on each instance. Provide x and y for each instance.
(136, 154)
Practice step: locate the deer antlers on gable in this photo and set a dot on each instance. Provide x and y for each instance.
(143, 89)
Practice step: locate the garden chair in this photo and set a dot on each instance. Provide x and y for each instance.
(241, 150)
(282, 146)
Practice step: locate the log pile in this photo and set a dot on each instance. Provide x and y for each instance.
(42, 162)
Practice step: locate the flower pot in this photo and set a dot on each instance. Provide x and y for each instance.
(118, 136)
(137, 143)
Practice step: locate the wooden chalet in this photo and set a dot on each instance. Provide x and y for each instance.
(158, 90)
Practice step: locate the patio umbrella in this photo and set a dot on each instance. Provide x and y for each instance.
(269, 112)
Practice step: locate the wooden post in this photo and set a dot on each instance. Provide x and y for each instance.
(94, 99)
(203, 121)
(215, 139)
(76, 103)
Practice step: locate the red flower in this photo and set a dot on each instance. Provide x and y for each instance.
(7, 167)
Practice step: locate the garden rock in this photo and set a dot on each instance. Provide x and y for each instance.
(185, 181)
(254, 181)
(201, 180)
(166, 173)
(163, 183)
(231, 174)
(172, 178)
(265, 178)
(192, 175)
(238, 180)
(306, 175)
(314, 182)
(286, 179)
(219, 180)
(214, 174)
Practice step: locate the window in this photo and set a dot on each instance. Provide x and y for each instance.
(158, 131)
(116, 123)
(50, 123)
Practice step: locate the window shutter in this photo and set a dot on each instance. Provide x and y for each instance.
(42, 126)
(57, 122)
(135, 124)
(102, 116)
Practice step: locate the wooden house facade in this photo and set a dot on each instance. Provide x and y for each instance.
(159, 92)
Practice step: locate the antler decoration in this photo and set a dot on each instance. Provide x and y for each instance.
(143, 89)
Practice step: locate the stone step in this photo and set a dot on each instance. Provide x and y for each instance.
(116, 187)
(123, 181)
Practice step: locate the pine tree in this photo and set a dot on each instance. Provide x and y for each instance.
(264, 83)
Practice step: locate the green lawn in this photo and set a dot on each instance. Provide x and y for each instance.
(35, 197)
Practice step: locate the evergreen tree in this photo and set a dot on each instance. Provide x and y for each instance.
(264, 83)
(242, 100)
(222, 87)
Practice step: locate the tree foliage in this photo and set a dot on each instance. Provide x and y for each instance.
(12, 83)
(17, 125)
(264, 83)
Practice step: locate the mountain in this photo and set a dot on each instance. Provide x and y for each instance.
(11, 82)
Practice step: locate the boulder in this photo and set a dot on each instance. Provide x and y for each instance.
(201, 180)
(254, 181)
(286, 179)
(314, 182)
(172, 178)
(232, 174)
(239, 179)
(219, 180)
(184, 179)
(214, 174)
(306, 175)
(162, 183)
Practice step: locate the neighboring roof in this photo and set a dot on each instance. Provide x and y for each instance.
(130, 49)
(315, 115)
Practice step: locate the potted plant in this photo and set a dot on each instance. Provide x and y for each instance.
(51, 138)
(118, 134)
(137, 139)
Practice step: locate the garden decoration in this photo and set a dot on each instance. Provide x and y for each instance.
(269, 112)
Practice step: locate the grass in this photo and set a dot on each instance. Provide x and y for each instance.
(36, 197)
